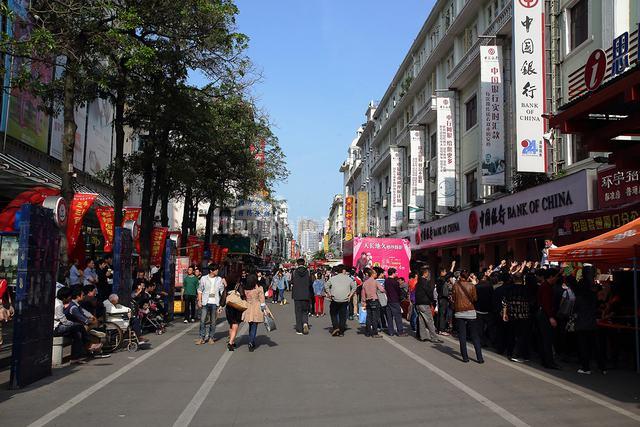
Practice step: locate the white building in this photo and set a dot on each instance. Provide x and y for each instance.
(308, 236)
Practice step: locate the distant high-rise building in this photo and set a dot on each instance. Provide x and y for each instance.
(308, 236)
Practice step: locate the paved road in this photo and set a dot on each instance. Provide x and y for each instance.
(316, 380)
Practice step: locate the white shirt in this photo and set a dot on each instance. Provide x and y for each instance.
(211, 288)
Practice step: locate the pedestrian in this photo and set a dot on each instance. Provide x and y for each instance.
(90, 277)
(394, 310)
(254, 314)
(318, 292)
(425, 301)
(413, 281)
(585, 315)
(442, 290)
(339, 289)
(209, 292)
(282, 285)
(484, 306)
(464, 297)
(545, 319)
(370, 289)
(301, 285)
(190, 295)
(382, 298)
(75, 273)
(516, 318)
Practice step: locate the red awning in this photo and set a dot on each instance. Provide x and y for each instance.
(617, 246)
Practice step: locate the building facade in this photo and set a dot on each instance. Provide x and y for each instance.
(308, 236)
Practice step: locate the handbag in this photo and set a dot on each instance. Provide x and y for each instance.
(382, 297)
(234, 300)
(269, 322)
(269, 293)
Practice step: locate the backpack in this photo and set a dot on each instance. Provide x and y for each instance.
(565, 309)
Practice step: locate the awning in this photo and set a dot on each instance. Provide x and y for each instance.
(17, 176)
(617, 246)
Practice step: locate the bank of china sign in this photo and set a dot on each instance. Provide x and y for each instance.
(528, 47)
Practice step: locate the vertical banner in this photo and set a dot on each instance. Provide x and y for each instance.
(363, 213)
(416, 189)
(396, 204)
(79, 207)
(348, 218)
(325, 243)
(192, 248)
(492, 119)
(528, 47)
(446, 153)
(105, 217)
(182, 264)
(158, 237)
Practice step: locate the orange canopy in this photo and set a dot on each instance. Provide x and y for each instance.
(617, 246)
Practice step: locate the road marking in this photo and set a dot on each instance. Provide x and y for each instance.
(192, 407)
(506, 415)
(559, 384)
(47, 418)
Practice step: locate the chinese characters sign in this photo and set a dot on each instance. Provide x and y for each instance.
(492, 120)
(348, 218)
(105, 217)
(416, 189)
(618, 187)
(79, 207)
(396, 186)
(446, 153)
(158, 237)
(363, 212)
(529, 49)
(385, 253)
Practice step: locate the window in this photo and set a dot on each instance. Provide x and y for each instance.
(578, 150)
(579, 23)
(433, 145)
(380, 189)
(450, 63)
(434, 201)
(386, 184)
(471, 113)
(469, 37)
(471, 181)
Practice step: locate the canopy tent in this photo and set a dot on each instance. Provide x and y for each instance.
(620, 247)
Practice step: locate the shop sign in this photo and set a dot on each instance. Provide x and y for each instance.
(446, 153)
(397, 206)
(585, 225)
(534, 207)
(602, 66)
(492, 120)
(416, 188)
(348, 218)
(363, 212)
(529, 49)
(618, 187)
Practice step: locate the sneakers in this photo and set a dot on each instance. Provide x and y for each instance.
(252, 347)
(580, 371)
(305, 329)
(516, 359)
(335, 332)
(298, 333)
(185, 321)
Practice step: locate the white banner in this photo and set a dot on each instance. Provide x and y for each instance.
(446, 153)
(396, 205)
(491, 115)
(528, 45)
(416, 189)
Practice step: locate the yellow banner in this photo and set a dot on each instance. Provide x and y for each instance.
(326, 243)
(363, 212)
(348, 218)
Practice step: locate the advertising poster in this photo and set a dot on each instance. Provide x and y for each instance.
(528, 48)
(385, 253)
(26, 122)
(363, 212)
(491, 115)
(182, 264)
(396, 203)
(105, 218)
(99, 136)
(416, 189)
(446, 153)
(348, 218)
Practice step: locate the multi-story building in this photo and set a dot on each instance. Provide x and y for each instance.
(478, 81)
(335, 226)
(308, 236)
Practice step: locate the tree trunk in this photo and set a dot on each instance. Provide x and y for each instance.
(164, 206)
(186, 215)
(148, 206)
(118, 165)
(68, 142)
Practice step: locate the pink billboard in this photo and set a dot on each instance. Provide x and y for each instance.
(384, 253)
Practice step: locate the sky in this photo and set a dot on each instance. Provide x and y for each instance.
(321, 62)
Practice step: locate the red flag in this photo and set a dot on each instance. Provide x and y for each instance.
(158, 237)
(79, 207)
(105, 217)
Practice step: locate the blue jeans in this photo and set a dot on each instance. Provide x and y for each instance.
(281, 294)
(212, 311)
(414, 318)
(253, 330)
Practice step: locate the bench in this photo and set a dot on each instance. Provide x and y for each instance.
(59, 345)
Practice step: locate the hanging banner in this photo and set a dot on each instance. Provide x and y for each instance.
(158, 237)
(348, 218)
(105, 217)
(491, 116)
(396, 186)
(528, 47)
(325, 243)
(79, 207)
(416, 189)
(446, 153)
(363, 212)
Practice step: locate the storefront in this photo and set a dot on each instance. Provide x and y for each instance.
(513, 226)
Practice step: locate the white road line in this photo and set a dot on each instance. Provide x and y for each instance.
(47, 418)
(192, 407)
(559, 384)
(506, 415)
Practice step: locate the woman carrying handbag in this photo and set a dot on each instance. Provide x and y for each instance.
(255, 306)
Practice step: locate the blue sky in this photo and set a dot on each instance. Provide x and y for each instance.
(322, 61)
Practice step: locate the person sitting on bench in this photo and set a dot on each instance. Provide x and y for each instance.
(63, 327)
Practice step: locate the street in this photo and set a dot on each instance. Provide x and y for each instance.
(315, 380)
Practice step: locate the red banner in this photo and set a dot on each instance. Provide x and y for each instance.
(193, 249)
(158, 237)
(132, 214)
(79, 207)
(105, 217)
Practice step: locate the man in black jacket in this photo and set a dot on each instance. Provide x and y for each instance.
(300, 293)
(424, 301)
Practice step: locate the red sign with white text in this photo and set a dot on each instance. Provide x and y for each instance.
(105, 217)
(158, 237)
